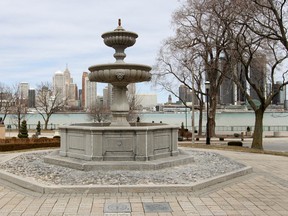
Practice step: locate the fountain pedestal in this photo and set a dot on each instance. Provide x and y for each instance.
(120, 106)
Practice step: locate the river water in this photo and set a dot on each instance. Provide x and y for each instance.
(227, 119)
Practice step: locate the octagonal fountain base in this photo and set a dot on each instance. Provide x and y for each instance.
(139, 146)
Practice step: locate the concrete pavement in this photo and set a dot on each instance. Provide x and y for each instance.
(264, 192)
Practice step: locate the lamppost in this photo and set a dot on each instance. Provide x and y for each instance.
(207, 87)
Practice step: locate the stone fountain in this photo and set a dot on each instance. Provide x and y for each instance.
(119, 74)
(90, 146)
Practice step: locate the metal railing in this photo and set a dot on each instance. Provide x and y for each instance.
(218, 128)
(31, 126)
(244, 128)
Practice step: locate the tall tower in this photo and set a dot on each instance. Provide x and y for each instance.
(84, 76)
(169, 99)
(31, 98)
(258, 75)
(59, 85)
(67, 80)
(90, 92)
(23, 90)
(185, 94)
(107, 96)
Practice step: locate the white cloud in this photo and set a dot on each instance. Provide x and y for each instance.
(38, 38)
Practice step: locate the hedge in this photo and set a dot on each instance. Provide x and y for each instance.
(12, 144)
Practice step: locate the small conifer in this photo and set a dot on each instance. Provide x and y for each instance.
(23, 132)
(38, 128)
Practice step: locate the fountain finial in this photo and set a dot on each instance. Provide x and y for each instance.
(119, 22)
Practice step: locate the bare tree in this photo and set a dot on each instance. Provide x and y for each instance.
(19, 105)
(198, 29)
(260, 47)
(48, 101)
(175, 67)
(99, 113)
(6, 100)
(247, 38)
(134, 102)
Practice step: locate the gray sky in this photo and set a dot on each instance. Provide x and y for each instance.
(39, 37)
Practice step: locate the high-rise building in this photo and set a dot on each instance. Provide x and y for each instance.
(72, 92)
(107, 96)
(239, 96)
(73, 95)
(169, 99)
(280, 97)
(83, 95)
(185, 95)
(67, 81)
(230, 93)
(59, 85)
(283, 94)
(258, 75)
(31, 98)
(90, 93)
(64, 87)
(23, 90)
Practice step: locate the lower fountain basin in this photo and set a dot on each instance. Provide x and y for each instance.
(141, 142)
(140, 146)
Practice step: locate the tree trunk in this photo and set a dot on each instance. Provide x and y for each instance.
(19, 121)
(200, 123)
(46, 121)
(257, 142)
(212, 113)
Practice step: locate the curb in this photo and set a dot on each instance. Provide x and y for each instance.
(32, 185)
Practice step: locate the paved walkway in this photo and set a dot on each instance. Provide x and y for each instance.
(264, 192)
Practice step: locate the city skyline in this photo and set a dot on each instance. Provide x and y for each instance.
(39, 38)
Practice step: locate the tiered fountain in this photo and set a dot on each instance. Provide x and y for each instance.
(119, 74)
(90, 146)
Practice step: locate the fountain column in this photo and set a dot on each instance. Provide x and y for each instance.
(120, 106)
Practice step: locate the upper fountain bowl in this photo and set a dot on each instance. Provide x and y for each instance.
(119, 37)
(119, 73)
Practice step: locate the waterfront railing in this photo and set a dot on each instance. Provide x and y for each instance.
(217, 129)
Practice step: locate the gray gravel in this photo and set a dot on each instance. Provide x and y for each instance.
(206, 165)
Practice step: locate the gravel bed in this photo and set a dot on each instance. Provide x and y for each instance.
(206, 165)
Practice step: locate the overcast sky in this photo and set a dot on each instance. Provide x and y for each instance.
(39, 37)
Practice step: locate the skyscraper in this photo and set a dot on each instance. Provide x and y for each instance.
(83, 95)
(89, 92)
(67, 81)
(59, 85)
(107, 96)
(169, 99)
(31, 98)
(258, 75)
(185, 95)
(64, 88)
(23, 90)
